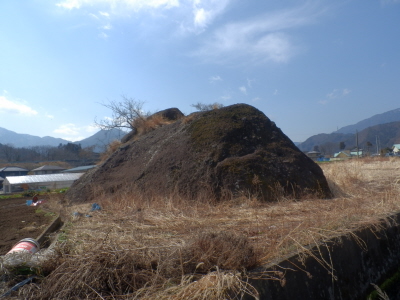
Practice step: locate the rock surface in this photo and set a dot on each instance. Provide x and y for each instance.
(208, 155)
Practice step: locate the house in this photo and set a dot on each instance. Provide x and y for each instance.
(39, 182)
(81, 169)
(314, 155)
(47, 170)
(357, 152)
(342, 155)
(13, 171)
(396, 148)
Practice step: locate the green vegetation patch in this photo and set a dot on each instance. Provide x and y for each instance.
(389, 286)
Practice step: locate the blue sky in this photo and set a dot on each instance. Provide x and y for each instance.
(310, 66)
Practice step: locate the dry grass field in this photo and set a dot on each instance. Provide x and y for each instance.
(172, 248)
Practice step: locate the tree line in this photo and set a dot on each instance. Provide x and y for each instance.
(69, 151)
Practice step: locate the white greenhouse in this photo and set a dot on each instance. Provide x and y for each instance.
(39, 182)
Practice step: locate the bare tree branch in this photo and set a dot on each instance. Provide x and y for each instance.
(125, 114)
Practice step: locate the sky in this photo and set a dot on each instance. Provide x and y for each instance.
(311, 66)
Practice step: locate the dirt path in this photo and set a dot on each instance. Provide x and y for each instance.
(18, 221)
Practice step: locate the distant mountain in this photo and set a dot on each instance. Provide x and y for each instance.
(387, 117)
(99, 139)
(380, 136)
(324, 138)
(19, 140)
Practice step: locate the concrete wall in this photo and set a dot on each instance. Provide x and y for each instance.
(357, 263)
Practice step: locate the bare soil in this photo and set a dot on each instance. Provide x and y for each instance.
(18, 221)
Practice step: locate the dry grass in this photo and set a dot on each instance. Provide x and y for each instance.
(145, 125)
(111, 148)
(169, 248)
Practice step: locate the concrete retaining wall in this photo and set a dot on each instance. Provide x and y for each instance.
(44, 237)
(358, 260)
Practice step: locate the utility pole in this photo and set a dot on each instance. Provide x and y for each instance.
(358, 156)
(377, 145)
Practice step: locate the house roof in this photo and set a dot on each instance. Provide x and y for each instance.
(48, 168)
(42, 178)
(78, 169)
(1, 178)
(13, 169)
(341, 152)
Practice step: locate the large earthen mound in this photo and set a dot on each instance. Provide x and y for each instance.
(211, 155)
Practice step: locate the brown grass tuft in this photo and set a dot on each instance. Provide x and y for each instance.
(145, 125)
(111, 148)
(223, 250)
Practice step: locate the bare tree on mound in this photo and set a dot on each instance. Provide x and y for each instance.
(126, 114)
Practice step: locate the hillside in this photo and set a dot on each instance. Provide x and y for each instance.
(99, 139)
(26, 140)
(385, 134)
(386, 117)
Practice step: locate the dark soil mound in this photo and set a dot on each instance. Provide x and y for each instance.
(213, 154)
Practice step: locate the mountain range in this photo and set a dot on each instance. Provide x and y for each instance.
(374, 133)
(387, 117)
(380, 131)
(99, 140)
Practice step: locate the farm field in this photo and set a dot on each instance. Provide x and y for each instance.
(18, 221)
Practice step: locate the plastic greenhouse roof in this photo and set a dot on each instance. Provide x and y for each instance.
(42, 178)
(82, 168)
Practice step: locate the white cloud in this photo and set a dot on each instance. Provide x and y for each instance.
(261, 39)
(104, 14)
(94, 16)
(14, 107)
(68, 130)
(346, 92)
(72, 132)
(132, 4)
(250, 82)
(334, 95)
(190, 16)
(92, 128)
(103, 35)
(200, 17)
(323, 102)
(205, 11)
(225, 98)
(256, 99)
(215, 78)
(338, 93)
(243, 90)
